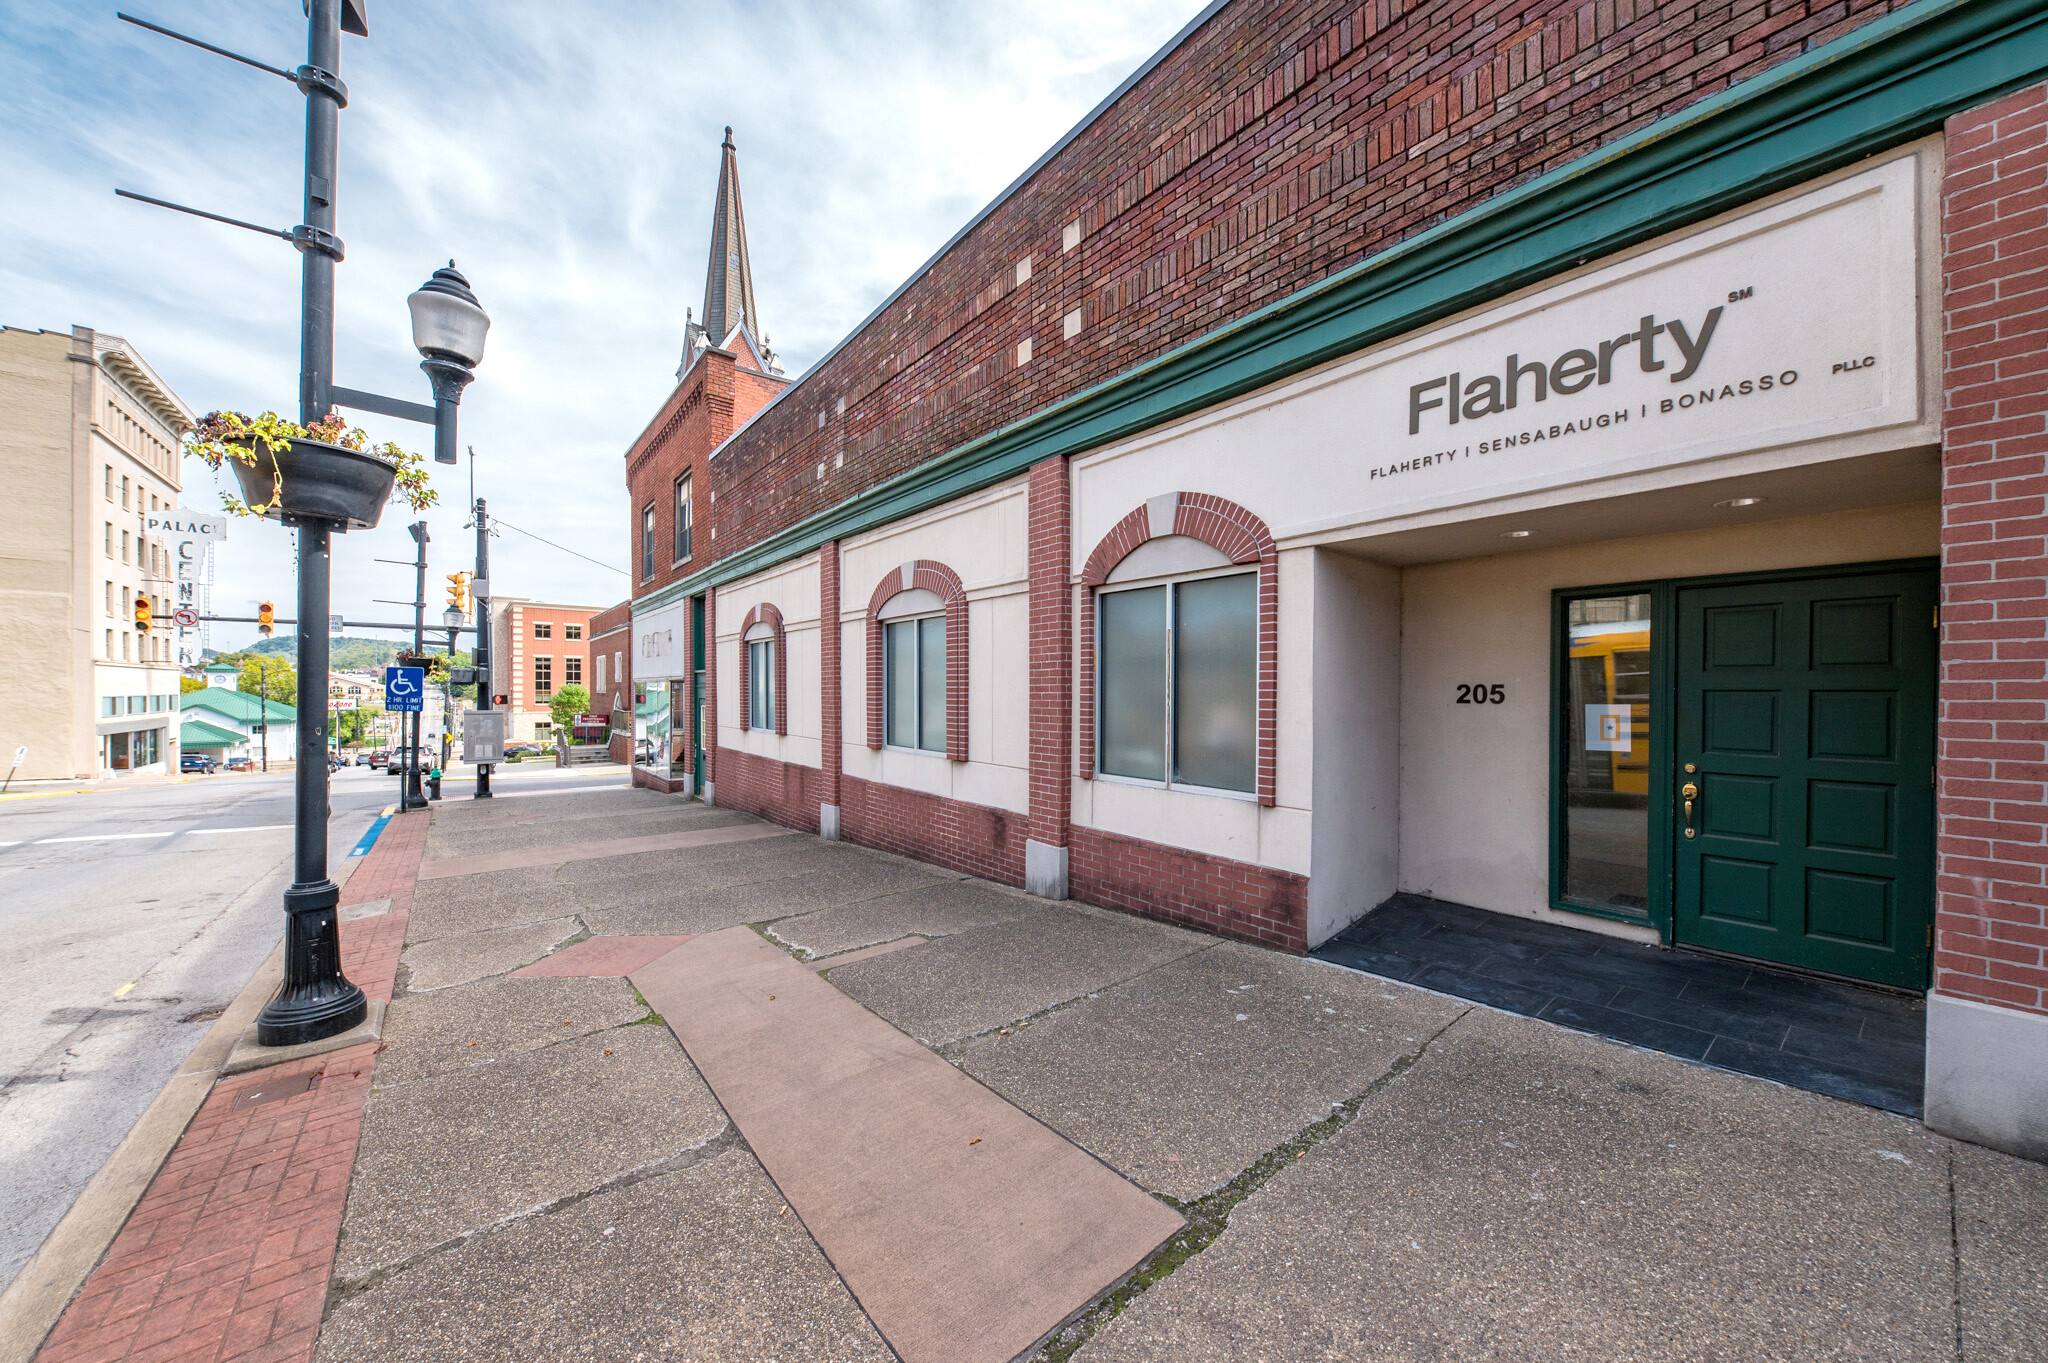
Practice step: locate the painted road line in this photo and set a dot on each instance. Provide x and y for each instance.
(369, 838)
(250, 828)
(110, 837)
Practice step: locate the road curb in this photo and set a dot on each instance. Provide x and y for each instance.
(33, 1302)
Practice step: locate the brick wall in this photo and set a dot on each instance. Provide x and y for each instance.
(715, 397)
(1280, 143)
(1215, 894)
(967, 837)
(1052, 651)
(611, 637)
(1992, 911)
(785, 792)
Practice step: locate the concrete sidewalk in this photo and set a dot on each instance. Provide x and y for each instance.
(1357, 1169)
(1366, 1169)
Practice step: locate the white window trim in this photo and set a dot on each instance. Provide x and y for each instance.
(1180, 787)
(917, 675)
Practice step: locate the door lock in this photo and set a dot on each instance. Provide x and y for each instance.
(1689, 792)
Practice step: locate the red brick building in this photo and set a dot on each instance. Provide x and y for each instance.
(1582, 462)
(611, 673)
(537, 647)
(728, 374)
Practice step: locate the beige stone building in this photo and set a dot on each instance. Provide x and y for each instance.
(89, 446)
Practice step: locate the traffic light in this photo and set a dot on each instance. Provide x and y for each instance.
(458, 591)
(266, 616)
(141, 613)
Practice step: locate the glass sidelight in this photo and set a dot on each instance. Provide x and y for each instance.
(1608, 721)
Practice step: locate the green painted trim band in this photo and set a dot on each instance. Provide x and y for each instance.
(1890, 81)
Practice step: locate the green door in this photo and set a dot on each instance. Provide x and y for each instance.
(1805, 729)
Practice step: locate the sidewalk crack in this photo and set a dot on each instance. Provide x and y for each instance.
(1209, 1216)
(1955, 1249)
(342, 1290)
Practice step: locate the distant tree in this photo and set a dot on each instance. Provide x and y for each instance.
(570, 701)
(352, 727)
(271, 678)
(187, 685)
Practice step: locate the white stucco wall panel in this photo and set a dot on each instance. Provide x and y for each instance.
(791, 588)
(1356, 668)
(984, 539)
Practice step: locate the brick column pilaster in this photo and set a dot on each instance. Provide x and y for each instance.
(711, 694)
(1987, 1041)
(832, 714)
(1052, 679)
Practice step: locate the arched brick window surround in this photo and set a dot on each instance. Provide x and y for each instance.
(944, 583)
(1239, 536)
(765, 614)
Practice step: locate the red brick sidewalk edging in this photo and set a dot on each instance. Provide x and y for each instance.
(227, 1255)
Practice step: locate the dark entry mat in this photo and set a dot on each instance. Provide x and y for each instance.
(1860, 1044)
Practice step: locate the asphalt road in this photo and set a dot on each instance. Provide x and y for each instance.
(129, 917)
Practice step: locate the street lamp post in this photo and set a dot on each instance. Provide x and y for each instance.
(316, 1000)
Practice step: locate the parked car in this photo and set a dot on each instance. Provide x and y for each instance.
(377, 759)
(198, 761)
(364, 759)
(241, 764)
(521, 750)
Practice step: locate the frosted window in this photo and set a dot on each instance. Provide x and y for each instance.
(931, 684)
(1215, 681)
(914, 683)
(899, 643)
(1133, 709)
(761, 684)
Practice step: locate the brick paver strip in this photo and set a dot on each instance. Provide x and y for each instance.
(600, 958)
(965, 1227)
(226, 1257)
(591, 851)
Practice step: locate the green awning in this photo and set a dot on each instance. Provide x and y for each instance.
(195, 733)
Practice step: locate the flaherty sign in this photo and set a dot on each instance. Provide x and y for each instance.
(1759, 338)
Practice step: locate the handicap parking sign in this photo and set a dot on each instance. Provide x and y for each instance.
(405, 689)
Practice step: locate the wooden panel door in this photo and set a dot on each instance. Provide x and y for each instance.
(1805, 730)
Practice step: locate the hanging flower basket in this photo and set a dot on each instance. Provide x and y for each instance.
(322, 475)
(311, 480)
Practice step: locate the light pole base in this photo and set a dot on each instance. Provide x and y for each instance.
(317, 1001)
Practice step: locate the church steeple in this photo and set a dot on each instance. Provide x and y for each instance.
(729, 277)
(729, 281)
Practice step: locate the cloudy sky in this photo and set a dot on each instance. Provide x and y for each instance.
(565, 155)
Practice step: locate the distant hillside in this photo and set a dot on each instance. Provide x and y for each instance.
(345, 653)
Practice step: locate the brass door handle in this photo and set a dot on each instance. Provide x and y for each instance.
(1690, 792)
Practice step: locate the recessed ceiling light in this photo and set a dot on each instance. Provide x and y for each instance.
(1516, 534)
(1739, 501)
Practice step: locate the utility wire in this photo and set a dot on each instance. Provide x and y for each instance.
(500, 521)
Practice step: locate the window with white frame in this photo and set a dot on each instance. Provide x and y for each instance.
(600, 672)
(761, 683)
(914, 683)
(1178, 682)
(682, 518)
